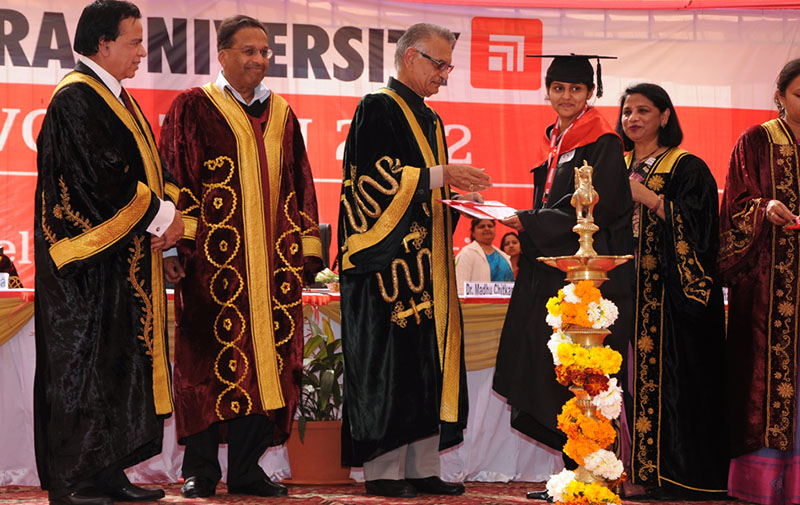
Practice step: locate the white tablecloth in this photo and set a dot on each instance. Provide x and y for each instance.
(491, 451)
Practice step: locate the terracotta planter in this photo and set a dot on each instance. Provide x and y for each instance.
(317, 460)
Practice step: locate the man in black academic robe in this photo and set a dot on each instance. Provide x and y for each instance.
(102, 373)
(405, 391)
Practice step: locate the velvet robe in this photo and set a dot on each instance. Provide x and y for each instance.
(239, 317)
(679, 428)
(760, 264)
(102, 376)
(405, 377)
(524, 371)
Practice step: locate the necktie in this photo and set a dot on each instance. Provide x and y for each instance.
(126, 99)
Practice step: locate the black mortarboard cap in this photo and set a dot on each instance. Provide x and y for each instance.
(574, 68)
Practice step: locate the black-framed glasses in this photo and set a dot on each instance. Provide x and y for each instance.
(439, 64)
(251, 51)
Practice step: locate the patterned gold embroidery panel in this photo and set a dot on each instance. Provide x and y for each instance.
(400, 314)
(259, 240)
(139, 290)
(742, 233)
(221, 247)
(783, 308)
(648, 328)
(695, 283)
(388, 218)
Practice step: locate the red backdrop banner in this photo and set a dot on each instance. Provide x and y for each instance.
(718, 66)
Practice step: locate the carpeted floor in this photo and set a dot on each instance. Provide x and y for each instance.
(478, 493)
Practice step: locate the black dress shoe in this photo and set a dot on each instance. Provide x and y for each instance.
(198, 487)
(390, 487)
(539, 495)
(130, 492)
(87, 496)
(263, 487)
(435, 485)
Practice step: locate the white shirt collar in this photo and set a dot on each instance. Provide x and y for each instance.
(261, 92)
(109, 80)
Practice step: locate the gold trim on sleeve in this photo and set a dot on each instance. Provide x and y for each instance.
(105, 234)
(312, 246)
(189, 227)
(172, 191)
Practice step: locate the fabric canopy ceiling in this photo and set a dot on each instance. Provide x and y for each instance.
(626, 4)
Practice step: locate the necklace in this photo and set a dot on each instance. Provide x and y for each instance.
(637, 161)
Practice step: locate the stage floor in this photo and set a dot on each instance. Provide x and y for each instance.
(478, 493)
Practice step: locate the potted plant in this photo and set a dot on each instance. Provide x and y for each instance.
(315, 443)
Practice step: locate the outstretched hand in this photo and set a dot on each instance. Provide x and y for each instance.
(513, 221)
(466, 177)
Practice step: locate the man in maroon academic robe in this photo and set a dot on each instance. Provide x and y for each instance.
(237, 151)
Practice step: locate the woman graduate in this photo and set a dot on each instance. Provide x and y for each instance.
(524, 373)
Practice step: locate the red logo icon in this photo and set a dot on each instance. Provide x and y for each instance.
(498, 50)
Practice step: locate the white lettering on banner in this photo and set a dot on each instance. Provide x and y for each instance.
(10, 115)
(514, 53)
(453, 147)
(10, 249)
(27, 128)
(341, 123)
(499, 289)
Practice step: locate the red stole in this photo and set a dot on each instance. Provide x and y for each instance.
(585, 130)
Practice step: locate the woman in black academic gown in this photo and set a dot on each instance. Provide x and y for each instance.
(525, 371)
(678, 361)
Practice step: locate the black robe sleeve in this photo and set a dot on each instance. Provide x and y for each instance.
(548, 228)
(89, 188)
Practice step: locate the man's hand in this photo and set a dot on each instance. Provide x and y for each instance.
(513, 222)
(466, 177)
(471, 197)
(170, 236)
(173, 270)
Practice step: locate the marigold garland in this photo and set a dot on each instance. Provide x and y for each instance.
(605, 359)
(579, 493)
(581, 304)
(593, 380)
(585, 435)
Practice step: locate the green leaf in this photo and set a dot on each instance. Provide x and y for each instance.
(326, 325)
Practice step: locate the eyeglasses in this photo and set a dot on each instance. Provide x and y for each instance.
(439, 64)
(251, 51)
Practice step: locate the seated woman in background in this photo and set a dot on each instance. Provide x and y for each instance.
(480, 260)
(679, 416)
(509, 244)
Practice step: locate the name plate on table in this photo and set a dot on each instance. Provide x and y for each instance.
(4, 280)
(488, 288)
